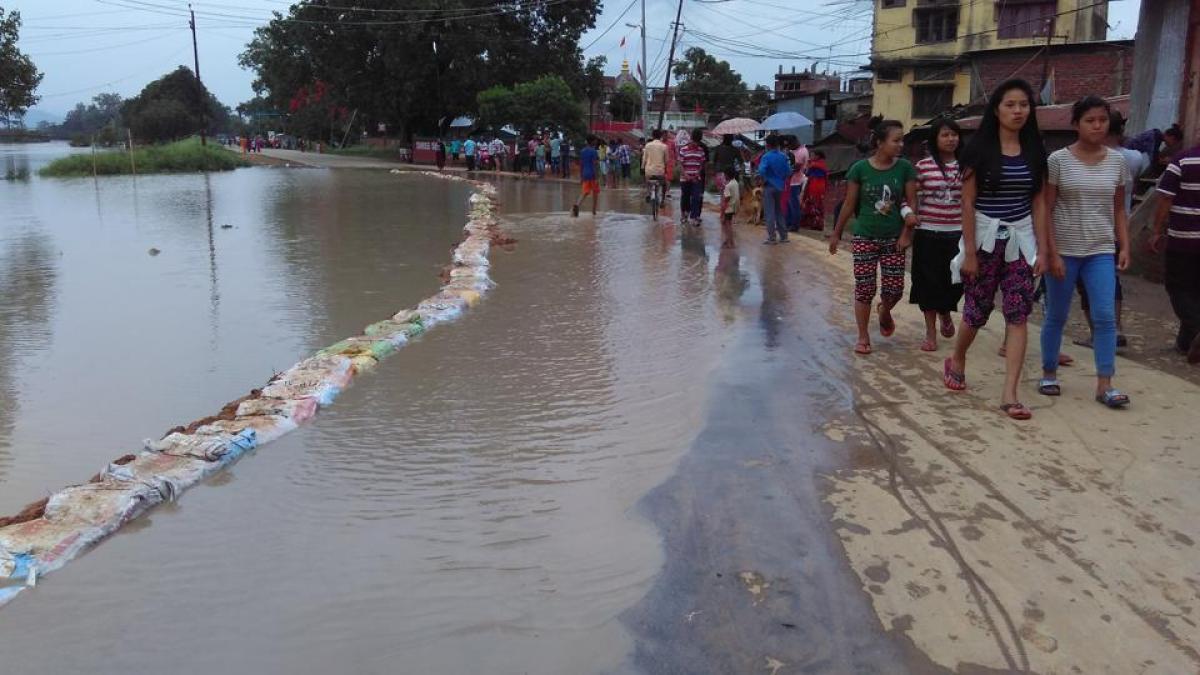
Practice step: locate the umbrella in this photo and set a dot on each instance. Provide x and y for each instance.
(737, 126)
(462, 123)
(786, 120)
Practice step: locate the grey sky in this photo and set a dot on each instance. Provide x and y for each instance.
(85, 47)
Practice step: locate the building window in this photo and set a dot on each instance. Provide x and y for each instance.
(936, 25)
(888, 74)
(930, 101)
(888, 4)
(1025, 18)
(934, 73)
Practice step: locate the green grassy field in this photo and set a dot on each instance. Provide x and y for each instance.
(179, 157)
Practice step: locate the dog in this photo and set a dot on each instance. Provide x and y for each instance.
(755, 204)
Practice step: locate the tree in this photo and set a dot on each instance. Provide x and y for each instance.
(19, 78)
(758, 105)
(625, 104)
(102, 114)
(710, 84)
(593, 82)
(496, 106)
(416, 70)
(169, 108)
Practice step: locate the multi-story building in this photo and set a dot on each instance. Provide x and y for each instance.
(921, 53)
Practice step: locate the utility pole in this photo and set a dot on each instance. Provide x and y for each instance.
(662, 109)
(645, 82)
(199, 85)
(1046, 61)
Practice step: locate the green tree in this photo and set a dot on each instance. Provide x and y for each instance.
(545, 103)
(625, 104)
(593, 82)
(496, 106)
(19, 78)
(710, 84)
(418, 70)
(86, 120)
(169, 108)
(758, 105)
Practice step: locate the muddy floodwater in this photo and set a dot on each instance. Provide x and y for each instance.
(468, 507)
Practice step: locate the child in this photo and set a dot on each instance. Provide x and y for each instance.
(588, 159)
(731, 200)
(878, 190)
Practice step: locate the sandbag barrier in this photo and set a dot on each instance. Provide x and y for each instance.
(47, 534)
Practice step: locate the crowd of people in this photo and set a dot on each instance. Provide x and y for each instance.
(1001, 216)
(549, 154)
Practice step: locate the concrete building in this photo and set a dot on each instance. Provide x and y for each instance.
(920, 49)
(817, 96)
(1166, 78)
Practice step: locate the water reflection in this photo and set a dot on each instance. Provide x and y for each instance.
(776, 300)
(28, 277)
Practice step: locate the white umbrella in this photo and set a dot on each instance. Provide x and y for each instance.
(737, 126)
(786, 120)
(462, 123)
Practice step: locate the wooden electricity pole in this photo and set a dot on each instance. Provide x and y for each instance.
(662, 109)
(199, 85)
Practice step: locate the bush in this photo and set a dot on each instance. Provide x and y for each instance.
(180, 157)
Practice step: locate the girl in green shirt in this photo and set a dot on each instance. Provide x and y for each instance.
(879, 191)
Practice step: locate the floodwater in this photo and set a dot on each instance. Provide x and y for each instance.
(468, 507)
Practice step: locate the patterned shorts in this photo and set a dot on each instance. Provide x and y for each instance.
(870, 253)
(1013, 279)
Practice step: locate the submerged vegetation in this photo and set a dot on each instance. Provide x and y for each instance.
(179, 157)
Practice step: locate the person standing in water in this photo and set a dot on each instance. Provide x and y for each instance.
(935, 243)
(877, 189)
(589, 158)
(1085, 197)
(1004, 216)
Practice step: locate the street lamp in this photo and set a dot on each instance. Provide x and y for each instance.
(645, 76)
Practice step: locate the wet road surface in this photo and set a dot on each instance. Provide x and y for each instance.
(639, 454)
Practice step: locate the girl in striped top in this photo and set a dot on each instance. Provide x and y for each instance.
(936, 242)
(1085, 195)
(1004, 216)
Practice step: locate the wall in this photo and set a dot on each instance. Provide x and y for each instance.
(1158, 64)
(1078, 71)
(894, 101)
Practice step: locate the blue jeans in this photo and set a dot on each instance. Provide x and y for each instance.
(772, 213)
(1099, 276)
(793, 209)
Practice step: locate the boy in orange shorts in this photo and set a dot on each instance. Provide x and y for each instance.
(589, 158)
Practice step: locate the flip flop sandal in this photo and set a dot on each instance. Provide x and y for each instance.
(1065, 360)
(1122, 341)
(928, 346)
(953, 380)
(1083, 342)
(888, 328)
(1048, 386)
(1113, 399)
(947, 327)
(1016, 411)
(862, 349)
(1002, 352)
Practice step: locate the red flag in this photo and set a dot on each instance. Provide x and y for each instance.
(622, 40)
(639, 70)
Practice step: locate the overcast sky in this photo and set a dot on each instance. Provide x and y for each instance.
(86, 47)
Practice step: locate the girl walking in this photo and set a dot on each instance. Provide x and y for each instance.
(1088, 225)
(935, 242)
(876, 189)
(1004, 216)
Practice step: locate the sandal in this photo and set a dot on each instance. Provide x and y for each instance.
(1113, 398)
(862, 348)
(1065, 360)
(947, 326)
(953, 380)
(888, 327)
(1016, 411)
(1049, 386)
(928, 345)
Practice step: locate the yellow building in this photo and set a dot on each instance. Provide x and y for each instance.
(919, 47)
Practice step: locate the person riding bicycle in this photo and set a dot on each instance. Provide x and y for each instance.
(654, 162)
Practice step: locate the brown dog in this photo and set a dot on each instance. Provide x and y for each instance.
(755, 204)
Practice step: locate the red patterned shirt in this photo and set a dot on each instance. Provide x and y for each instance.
(940, 196)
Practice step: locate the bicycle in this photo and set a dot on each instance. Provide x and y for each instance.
(657, 194)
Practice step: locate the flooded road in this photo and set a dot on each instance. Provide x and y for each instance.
(639, 454)
(470, 502)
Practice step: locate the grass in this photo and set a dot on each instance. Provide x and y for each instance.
(184, 156)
